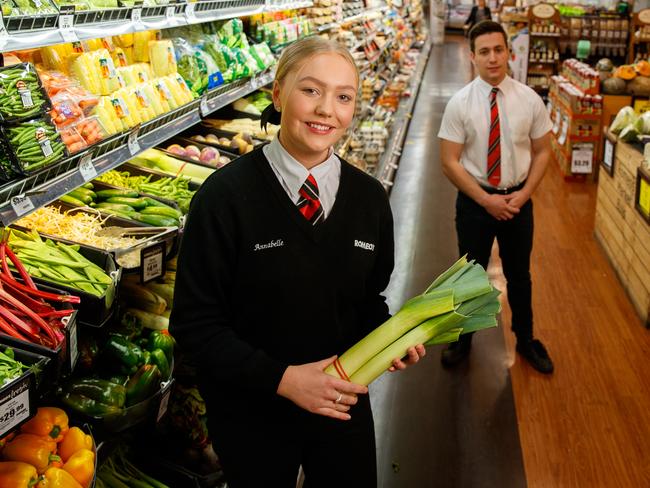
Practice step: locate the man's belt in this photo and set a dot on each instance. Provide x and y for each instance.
(503, 191)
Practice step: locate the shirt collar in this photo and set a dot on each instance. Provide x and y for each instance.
(292, 172)
(486, 88)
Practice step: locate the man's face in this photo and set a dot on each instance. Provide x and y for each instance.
(490, 57)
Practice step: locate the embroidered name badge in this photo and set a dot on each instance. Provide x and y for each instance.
(364, 245)
(269, 245)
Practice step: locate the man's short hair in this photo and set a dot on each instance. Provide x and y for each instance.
(485, 27)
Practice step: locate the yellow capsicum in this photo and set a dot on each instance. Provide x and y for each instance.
(58, 478)
(74, 440)
(31, 449)
(15, 474)
(48, 421)
(81, 466)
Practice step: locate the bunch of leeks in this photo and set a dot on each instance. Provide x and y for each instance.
(459, 301)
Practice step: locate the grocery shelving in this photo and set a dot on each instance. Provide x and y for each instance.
(26, 32)
(22, 196)
(389, 162)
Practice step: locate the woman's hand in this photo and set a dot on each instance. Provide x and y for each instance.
(413, 355)
(309, 387)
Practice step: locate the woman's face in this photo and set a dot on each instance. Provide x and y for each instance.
(317, 105)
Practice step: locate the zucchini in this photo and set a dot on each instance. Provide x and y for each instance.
(105, 194)
(115, 206)
(86, 191)
(136, 203)
(72, 201)
(86, 199)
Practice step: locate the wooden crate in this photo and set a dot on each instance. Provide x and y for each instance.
(622, 232)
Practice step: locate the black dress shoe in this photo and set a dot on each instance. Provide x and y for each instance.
(535, 353)
(455, 353)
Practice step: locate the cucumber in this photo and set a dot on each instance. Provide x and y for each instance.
(88, 185)
(136, 203)
(72, 201)
(152, 202)
(115, 206)
(81, 196)
(105, 194)
(163, 211)
(86, 191)
(155, 220)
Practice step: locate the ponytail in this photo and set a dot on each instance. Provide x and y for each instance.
(269, 116)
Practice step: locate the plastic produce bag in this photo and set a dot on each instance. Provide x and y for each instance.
(161, 56)
(625, 117)
(191, 67)
(629, 133)
(642, 124)
(21, 94)
(35, 144)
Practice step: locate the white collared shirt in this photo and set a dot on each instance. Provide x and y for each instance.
(291, 174)
(522, 117)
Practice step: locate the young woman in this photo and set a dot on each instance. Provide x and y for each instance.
(284, 256)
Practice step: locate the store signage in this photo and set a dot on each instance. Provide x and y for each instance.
(21, 204)
(136, 16)
(189, 12)
(87, 168)
(544, 11)
(204, 106)
(132, 141)
(15, 405)
(66, 23)
(581, 160)
(643, 194)
(608, 156)
(71, 341)
(644, 16)
(164, 401)
(641, 105)
(170, 13)
(152, 262)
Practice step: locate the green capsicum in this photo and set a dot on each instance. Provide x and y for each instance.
(126, 356)
(144, 383)
(160, 339)
(99, 390)
(88, 406)
(159, 358)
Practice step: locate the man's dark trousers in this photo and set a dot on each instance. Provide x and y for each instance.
(477, 229)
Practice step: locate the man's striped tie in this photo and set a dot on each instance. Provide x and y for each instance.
(309, 203)
(494, 142)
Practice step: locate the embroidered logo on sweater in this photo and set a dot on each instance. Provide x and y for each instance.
(364, 245)
(269, 245)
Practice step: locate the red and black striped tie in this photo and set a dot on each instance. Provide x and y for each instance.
(494, 142)
(309, 203)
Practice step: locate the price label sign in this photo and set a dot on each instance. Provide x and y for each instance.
(164, 401)
(581, 161)
(73, 348)
(132, 143)
(66, 23)
(643, 202)
(136, 17)
(14, 405)
(87, 168)
(21, 204)
(190, 15)
(204, 106)
(152, 262)
(608, 156)
(4, 35)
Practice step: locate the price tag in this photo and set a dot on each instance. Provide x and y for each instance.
(170, 13)
(21, 204)
(556, 121)
(164, 401)
(204, 106)
(189, 12)
(87, 168)
(134, 145)
(581, 160)
(152, 262)
(14, 405)
(608, 155)
(66, 23)
(564, 130)
(136, 18)
(73, 348)
(4, 35)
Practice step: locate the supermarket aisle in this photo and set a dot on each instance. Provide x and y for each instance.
(438, 428)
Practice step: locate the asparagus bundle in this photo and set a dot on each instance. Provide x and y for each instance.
(459, 301)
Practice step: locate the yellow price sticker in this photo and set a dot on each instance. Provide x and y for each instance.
(641, 106)
(644, 196)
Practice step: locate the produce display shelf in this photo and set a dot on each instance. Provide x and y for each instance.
(23, 196)
(389, 161)
(28, 32)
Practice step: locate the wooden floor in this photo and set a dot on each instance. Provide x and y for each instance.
(587, 425)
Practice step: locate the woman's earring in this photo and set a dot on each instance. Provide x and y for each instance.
(278, 109)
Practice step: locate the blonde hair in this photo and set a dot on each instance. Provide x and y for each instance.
(296, 54)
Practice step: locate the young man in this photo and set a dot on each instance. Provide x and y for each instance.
(495, 146)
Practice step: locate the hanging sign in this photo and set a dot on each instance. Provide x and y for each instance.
(66, 23)
(87, 168)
